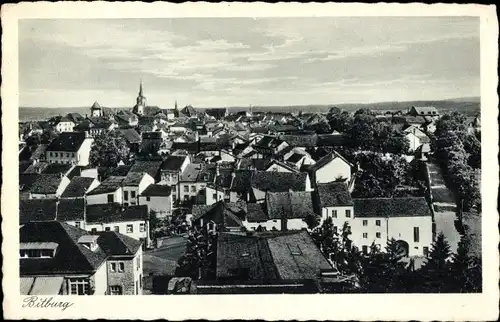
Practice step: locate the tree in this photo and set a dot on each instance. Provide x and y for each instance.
(199, 260)
(436, 270)
(312, 220)
(465, 270)
(108, 149)
(473, 147)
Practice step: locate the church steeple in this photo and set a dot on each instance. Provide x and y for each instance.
(141, 101)
(176, 105)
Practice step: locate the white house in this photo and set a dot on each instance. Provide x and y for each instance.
(331, 167)
(64, 124)
(334, 201)
(69, 148)
(133, 185)
(132, 221)
(171, 169)
(109, 191)
(406, 220)
(158, 198)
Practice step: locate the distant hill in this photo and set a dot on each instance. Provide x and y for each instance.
(470, 106)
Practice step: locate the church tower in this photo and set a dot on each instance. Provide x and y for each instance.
(140, 102)
(96, 110)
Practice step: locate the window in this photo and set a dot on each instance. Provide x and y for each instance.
(377, 222)
(115, 290)
(365, 235)
(416, 234)
(125, 195)
(348, 213)
(77, 224)
(378, 234)
(193, 188)
(112, 267)
(107, 229)
(132, 194)
(186, 188)
(121, 267)
(93, 230)
(78, 286)
(111, 198)
(51, 154)
(214, 196)
(73, 154)
(365, 249)
(117, 229)
(130, 228)
(125, 204)
(426, 251)
(57, 154)
(186, 197)
(142, 227)
(148, 198)
(67, 155)
(365, 222)
(138, 262)
(334, 213)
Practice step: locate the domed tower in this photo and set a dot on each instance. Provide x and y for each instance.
(96, 110)
(140, 102)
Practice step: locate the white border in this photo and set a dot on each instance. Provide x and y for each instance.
(477, 307)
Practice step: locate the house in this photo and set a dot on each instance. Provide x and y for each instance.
(334, 201)
(72, 211)
(37, 210)
(150, 167)
(69, 148)
(377, 220)
(193, 181)
(188, 111)
(124, 262)
(132, 221)
(268, 263)
(126, 119)
(133, 138)
(171, 169)
(59, 259)
(269, 146)
(300, 141)
(158, 198)
(415, 136)
(96, 125)
(133, 185)
(217, 113)
(278, 166)
(48, 186)
(78, 187)
(282, 211)
(64, 124)
(253, 185)
(423, 111)
(219, 216)
(331, 167)
(109, 191)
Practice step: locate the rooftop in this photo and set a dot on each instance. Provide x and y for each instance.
(334, 194)
(113, 212)
(156, 190)
(111, 184)
(77, 187)
(67, 142)
(391, 207)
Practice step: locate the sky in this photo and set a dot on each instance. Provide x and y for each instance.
(222, 62)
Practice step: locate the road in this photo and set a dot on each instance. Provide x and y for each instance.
(444, 206)
(171, 249)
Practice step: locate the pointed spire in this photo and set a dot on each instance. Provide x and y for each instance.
(140, 88)
(176, 104)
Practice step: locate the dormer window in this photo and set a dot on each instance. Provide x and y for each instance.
(38, 250)
(89, 242)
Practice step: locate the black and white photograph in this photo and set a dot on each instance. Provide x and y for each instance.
(249, 156)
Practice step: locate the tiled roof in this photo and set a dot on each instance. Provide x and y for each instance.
(39, 152)
(113, 212)
(121, 170)
(111, 184)
(229, 214)
(67, 142)
(116, 244)
(173, 163)
(156, 190)
(56, 168)
(130, 135)
(77, 187)
(150, 167)
(26, 180)
(198, 172)
(294, 158)
(256, 213)
(216, 112)
(332, 140)
(37, 167)
(327, 159)
(133, 179)
(334, 194)
(278, 181)
(46, 184)
(289, 205)
(70, 257)
(391, 207)
(246, 254)
(300, 140)
(37, 210)
(241, 181)
(71, 209)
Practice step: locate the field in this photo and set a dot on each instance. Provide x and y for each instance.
(468, 106)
